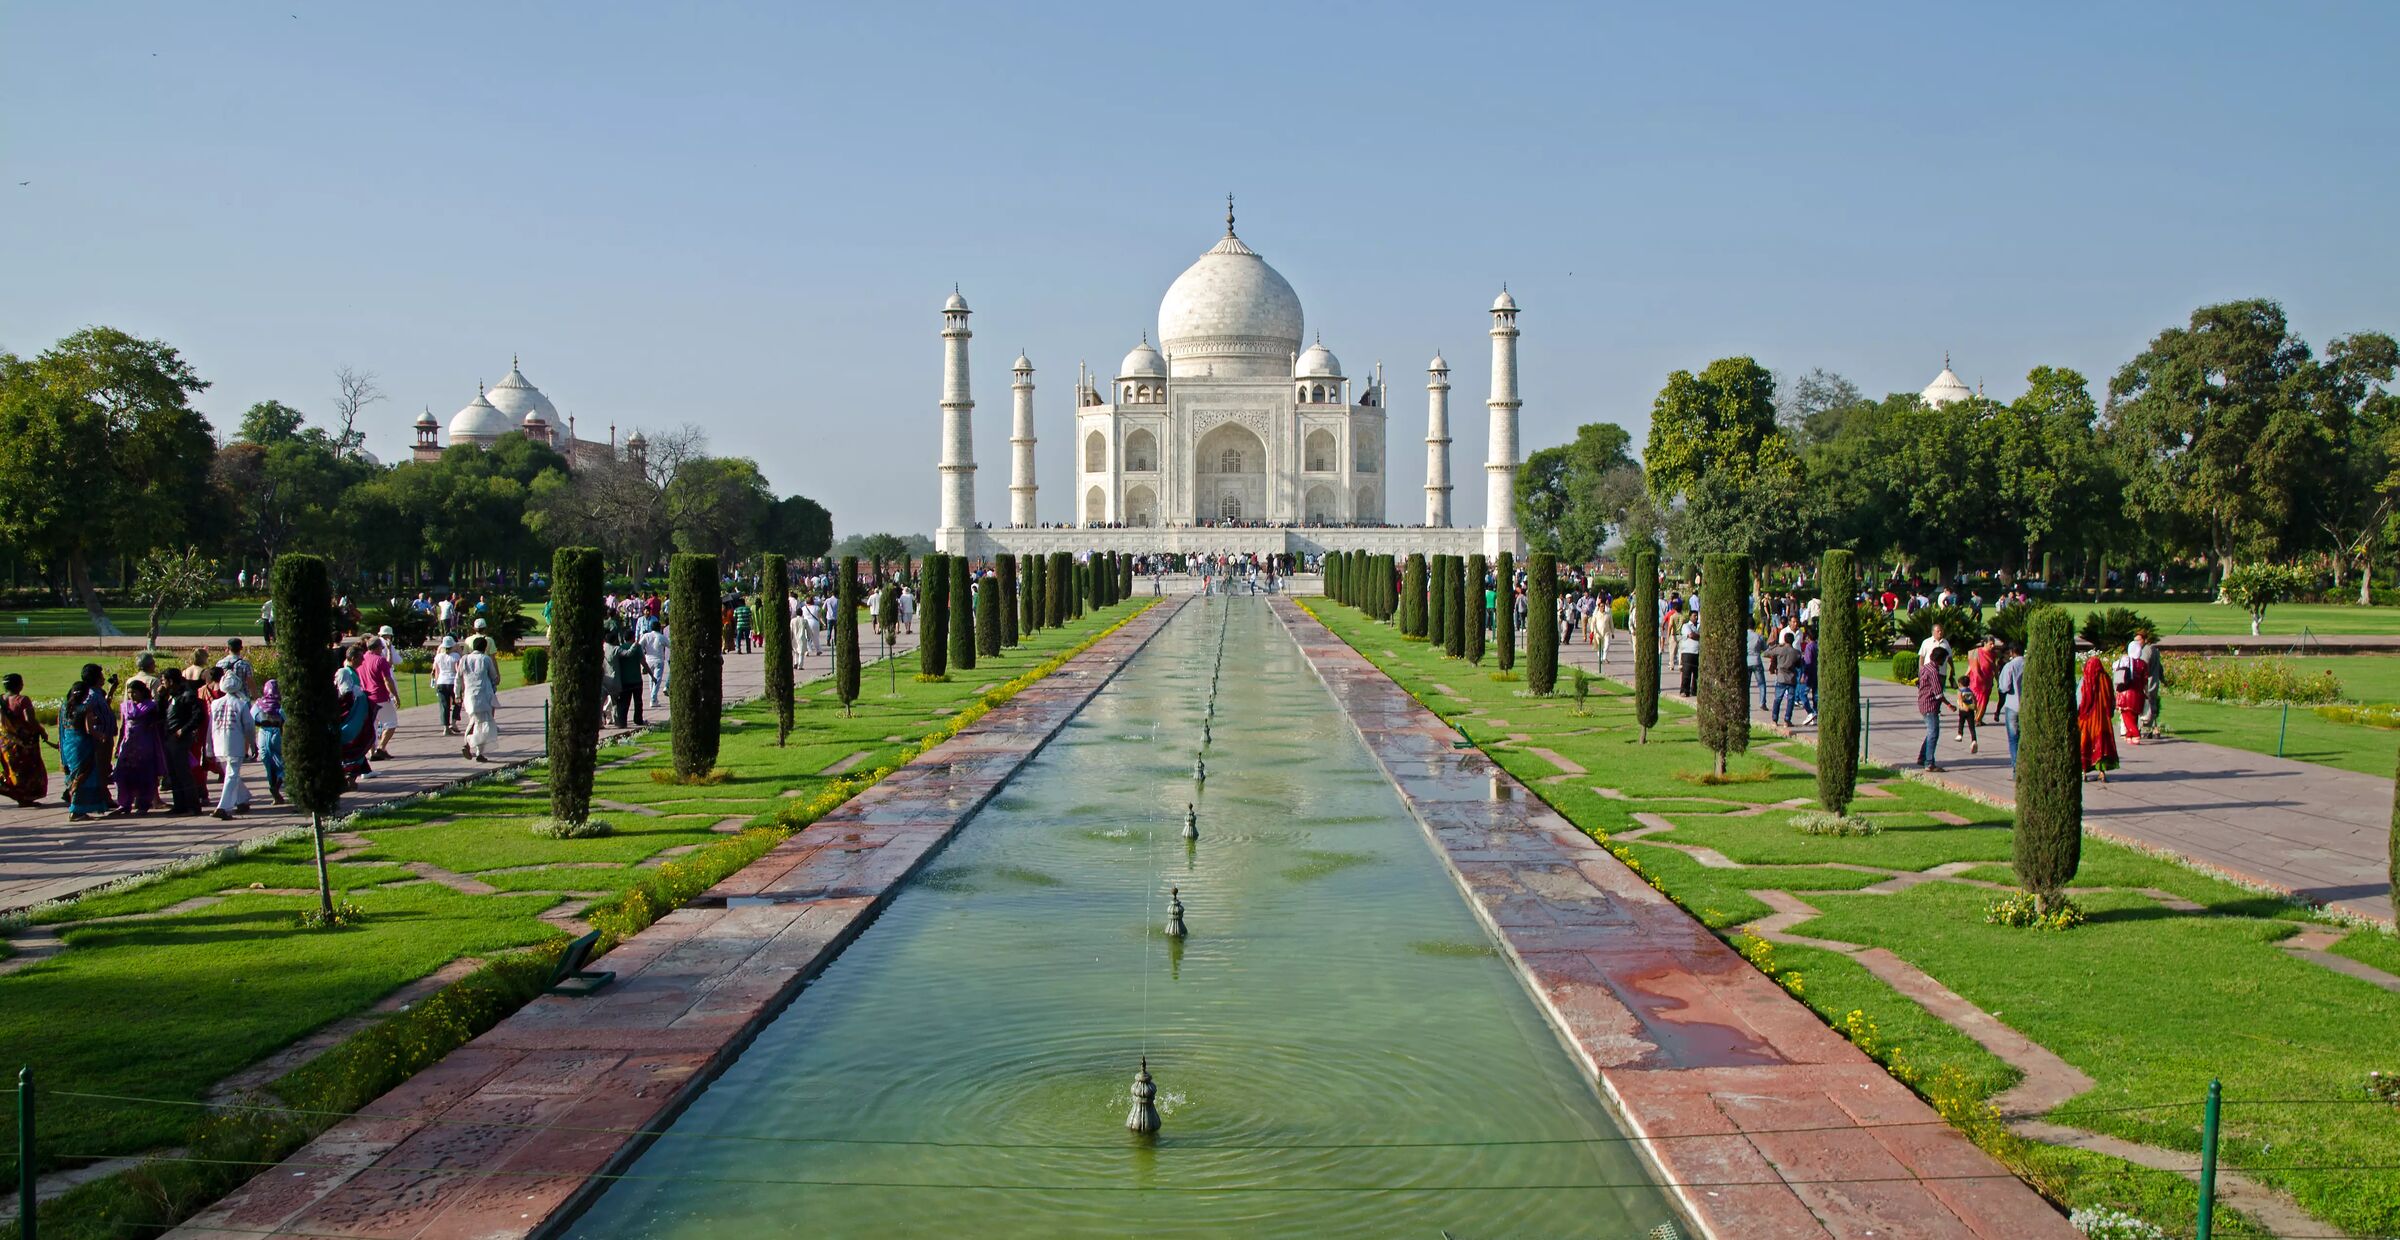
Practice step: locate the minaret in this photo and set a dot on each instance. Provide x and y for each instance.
(1500, 461)
(1437, 444)
(958, 430)
(1020, 442)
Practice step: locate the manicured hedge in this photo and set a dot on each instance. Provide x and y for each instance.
(2049, 835)
(1541, 623)
(695, 662)
(1504, 610)
(1643, 619)
(1724, 659)
(577, 580)
(1837, 682)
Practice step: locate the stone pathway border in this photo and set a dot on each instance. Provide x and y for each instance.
(1683, 1035)
(502, 1137)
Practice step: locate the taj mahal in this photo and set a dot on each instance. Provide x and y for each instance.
(1235, 432)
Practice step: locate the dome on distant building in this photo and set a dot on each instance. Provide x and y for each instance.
(1504, 301)
(1946, 387)
(1023, 363)
(480, 421)
(1144, 362)
(519, 399)
(1230, 313)
(1437, 365)
(425, 420)
(957, 302)
(1318, 363)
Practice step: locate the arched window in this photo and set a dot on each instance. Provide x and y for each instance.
(1317, 394)
(1095, 453)
(1141, 394)
(1141, 452)
(1128, 393)
(1302, 394)
(1230, 508)
(1095, 506)
(1320, 454)
(1230, 462)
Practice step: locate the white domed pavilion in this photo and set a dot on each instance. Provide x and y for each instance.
(513, 406)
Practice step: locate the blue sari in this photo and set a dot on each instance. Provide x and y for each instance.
(84, 732)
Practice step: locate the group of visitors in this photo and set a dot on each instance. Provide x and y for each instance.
(157, 742)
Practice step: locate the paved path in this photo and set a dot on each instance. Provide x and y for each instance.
(2311, 831)
(44, 857)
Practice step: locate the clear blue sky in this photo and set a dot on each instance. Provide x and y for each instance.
(748, 217)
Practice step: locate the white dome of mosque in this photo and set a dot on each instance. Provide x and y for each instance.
(1318, 363)
(1946, 387)
(1144, 362)
(425, 420)
(1230, 309)
(479, 422)
(519, 399)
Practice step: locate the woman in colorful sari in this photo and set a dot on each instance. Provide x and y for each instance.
(2095, 702)
(141, 751)
(266, 714)
(358, 715)
(86, 724)
(23, 778)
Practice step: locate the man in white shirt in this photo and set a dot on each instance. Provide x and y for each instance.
(654, 653)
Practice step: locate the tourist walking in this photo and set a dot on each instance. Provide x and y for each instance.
(1687, 650)
(2008, 694)
(479, 699)
(445, 684)
(2154, 687)
(1781, 665)
(2130, 675)
(266, 622)
(625, 665)
(383, 689)
(654, 653)
(142, 756)
(229, 733)
(23, 778)
(266, 716)
(1604, 621)
(1930, 701)
(2095, 738)
(357, 731)
(86, 726)
(186, 729)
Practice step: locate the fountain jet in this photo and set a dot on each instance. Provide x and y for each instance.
(1191, 821)
(1175, 912)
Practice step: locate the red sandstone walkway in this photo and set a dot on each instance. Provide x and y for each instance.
(1800, 1134)
(2313, 832)
(500, 1139)
(44, 857)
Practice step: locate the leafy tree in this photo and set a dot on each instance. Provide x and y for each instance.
(1724, 663)
(718, 506)
(2354, 496)
(1623, 494)
(174, 581)
(2218, 428)
(845, 633)
(775, 627)
(271, 422)
(2048, 841)
(2255, 587)
(1643, 617)
(933, 617)
(101, 454)
(1809, 408)
(284, 488)
(1504, 609)
(1541, 623)
(800, 526)
(1837, 682)
(1715, 447)
(696, 662)
(883, 547)
(312, 747)
(578, 579)
(1560, 504)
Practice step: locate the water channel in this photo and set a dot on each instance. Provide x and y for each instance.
(1339, 1049)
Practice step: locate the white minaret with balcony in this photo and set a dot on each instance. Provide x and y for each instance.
(1021, 489)
(1437, 444)
(958, 430)
(1500, 461)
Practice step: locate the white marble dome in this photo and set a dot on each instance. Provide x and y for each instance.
(519, 399)
(1946, 387)
(1230, 314)
(479, 422)
(1318, 363)
(1144, 362)
(1437, 365)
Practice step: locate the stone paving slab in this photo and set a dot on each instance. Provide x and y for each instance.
(1708, 1061)
(503, 1136)
(44, 857)
(2316, 833)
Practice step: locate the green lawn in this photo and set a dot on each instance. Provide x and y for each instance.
(236, 617)
(2283, 620)
(2304, 735)
(164, 1006)
(2150, 1001)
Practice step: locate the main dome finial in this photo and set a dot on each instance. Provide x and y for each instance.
(1228, 215)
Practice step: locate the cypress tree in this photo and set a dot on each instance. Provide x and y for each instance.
(1475, 613)
(1050, 604)
(1437, 604)
(887, 615)
(1642, 618)
(987, 615)
(696, 662)
(1504, 613)
(962, 614)
(775, 633)
(1108, 579)
(1724, 663)
(1331, 571)
(1124, 577)
(1009, 635)
(2049, 835)
(577, 646)
(845, 633)
(1455, 620)
(1029, 595)
(1082, 593)
(1837, 681)
(1412, 595)
(1541, 623)
(312, 746)
(933, 617)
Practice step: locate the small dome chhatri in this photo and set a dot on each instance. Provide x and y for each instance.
(1503, 301)
(1144, 362)
(1437, 365)
(957, 303)
(1318, 363)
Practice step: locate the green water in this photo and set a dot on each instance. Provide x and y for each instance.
(1339, 1048)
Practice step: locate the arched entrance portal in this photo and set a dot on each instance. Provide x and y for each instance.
(1230, 475)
